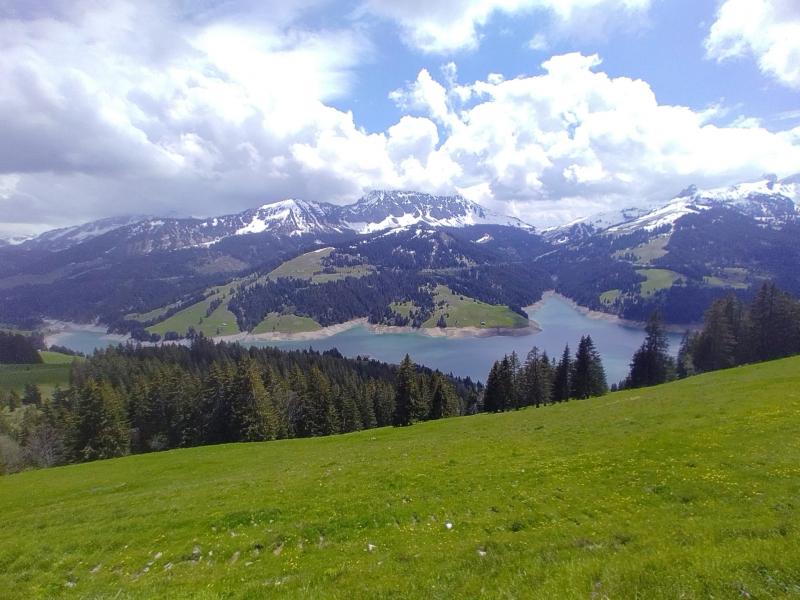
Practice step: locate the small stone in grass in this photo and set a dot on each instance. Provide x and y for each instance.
(371, 547)
(448, 525)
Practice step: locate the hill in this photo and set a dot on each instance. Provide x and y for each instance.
(684, 490)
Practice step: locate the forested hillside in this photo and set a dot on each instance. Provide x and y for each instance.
(132, 399)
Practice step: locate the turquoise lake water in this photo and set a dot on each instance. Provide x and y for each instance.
(560, 321)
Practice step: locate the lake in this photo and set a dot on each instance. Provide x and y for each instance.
(561, 322)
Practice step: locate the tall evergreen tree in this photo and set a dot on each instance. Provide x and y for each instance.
(100, 430)
(651, 363)
(588, 374)
(685, 364)
(404, 394)
(715, 346)
(562, 379)
(323, 417)
(253, 415)
(536, 379)
(444, 402)
(492, 392)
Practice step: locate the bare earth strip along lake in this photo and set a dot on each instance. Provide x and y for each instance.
(560, 321)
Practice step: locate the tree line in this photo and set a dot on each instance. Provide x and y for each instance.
(133, 399)
(539, 380)
(18, 349)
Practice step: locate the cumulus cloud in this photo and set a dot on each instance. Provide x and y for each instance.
(574, 139)
(127, 108)
(768, 30)
(441, 26)
(123, 104)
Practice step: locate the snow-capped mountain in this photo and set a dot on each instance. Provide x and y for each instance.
(378, 211)
(59, 239)
(768, 201)
(290, 217)
(587, 226)
(381, 210)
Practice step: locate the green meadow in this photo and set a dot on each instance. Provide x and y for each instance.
(48, 375)
(462, 311)
(686, 490)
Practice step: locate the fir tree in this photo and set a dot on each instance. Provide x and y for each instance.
(444, 402)
(651, 363)
(715, 346)
(588, 375)
(685, 364)
(100, 430)
(562, 379)
(492, 391)
(32, 395)
(404, 394)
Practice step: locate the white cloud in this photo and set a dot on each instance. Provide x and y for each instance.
(574, 139)
(441, 26)
(769, 30)
(121, 108)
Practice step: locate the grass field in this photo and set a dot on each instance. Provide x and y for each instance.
(53, 372)
(688, 490)
(309, 266)
(657, 279)
(462, 311)
(730, 277)
(610, 296)
(646, 253)
(402, 308)
(220, 322)
(286, 324)
(46, 376)
(57, 358)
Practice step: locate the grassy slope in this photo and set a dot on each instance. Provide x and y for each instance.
(309, 266)
(462, 311)
(685, 490)
(53, 372)
(220, 322)
(275, 322)
(657, 279)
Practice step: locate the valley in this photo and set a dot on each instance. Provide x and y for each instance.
(556, 322)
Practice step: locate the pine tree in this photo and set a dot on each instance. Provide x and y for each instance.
(715, 347)
(404, 394)
(492, 392)
(536, 379)
(444, 402)
(350, 417)
(562, 379)
(685, 363)
(253, 415)
(651, 363)
(588, 375)
(322, 414)
(775, 324)
(32, 395)
(515, 383)
(100, 430)
(507, 381)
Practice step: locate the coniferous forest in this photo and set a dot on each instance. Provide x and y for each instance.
(133, 399)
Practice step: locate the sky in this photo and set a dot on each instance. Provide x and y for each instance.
(547, 110)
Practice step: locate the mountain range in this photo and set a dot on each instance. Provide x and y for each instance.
(416, 249)
(376, 212)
